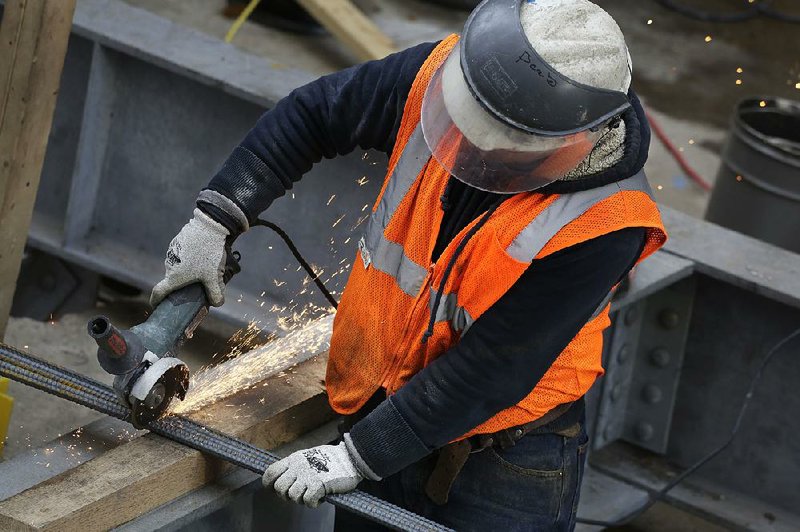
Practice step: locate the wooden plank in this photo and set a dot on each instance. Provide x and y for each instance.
(134, 478)
(27, 469)
(350, 26)
(33, 44)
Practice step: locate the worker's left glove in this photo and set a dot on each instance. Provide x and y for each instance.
(198, 253)
(195, 255)
(309, 475)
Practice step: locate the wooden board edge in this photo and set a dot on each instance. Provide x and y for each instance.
(182, 470)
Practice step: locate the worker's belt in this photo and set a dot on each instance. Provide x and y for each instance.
(564, 420)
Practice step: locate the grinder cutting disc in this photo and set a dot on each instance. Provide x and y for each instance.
(153, 392)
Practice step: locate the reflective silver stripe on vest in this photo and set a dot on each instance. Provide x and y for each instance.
(566, 208)
(383, 254)
(448, 310)
(411, 162)
(461, 321)
(538, 233)
(389, 258)
(606, 300)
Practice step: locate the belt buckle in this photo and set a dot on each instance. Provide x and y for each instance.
(482, 444)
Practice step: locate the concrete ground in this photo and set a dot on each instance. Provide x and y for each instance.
(685, 71)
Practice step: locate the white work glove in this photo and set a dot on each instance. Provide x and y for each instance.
(309, 475)
(195, 255)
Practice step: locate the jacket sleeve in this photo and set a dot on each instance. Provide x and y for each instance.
(501, 358)
(360, 106)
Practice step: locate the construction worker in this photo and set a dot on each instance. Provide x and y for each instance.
(471, 324)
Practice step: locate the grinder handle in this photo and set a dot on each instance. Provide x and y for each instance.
(178, 315)
(173, 320)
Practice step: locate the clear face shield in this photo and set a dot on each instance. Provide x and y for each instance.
(486, 153)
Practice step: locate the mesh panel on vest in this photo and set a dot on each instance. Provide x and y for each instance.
(630, 209)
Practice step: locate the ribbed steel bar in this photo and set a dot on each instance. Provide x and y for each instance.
(85, 391)
(61, 382)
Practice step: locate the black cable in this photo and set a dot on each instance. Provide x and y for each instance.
(306, 266)
(767, 9)
(461, 245)
(660, 494)
(752, 11)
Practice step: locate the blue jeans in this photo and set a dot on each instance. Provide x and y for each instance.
(533, 485)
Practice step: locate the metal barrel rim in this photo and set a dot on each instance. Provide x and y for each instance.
(756, 138)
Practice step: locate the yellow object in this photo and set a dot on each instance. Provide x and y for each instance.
(240, 20)
(6, 403)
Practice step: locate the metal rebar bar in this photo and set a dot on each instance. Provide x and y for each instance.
(61, 382)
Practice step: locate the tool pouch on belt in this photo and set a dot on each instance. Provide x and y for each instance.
(452, 457)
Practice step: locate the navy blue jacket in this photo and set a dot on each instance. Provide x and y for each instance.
(510, 347)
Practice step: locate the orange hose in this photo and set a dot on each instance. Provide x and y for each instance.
(676, 154)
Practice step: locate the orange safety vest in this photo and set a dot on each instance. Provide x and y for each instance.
(385, 308)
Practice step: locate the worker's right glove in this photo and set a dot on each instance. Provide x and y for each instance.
(197, 254)
(309, 475)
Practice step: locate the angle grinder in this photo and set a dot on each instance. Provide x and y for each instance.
(148, 374)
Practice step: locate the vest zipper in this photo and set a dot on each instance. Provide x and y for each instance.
(390, 375)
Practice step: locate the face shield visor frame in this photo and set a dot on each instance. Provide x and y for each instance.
(486, 153)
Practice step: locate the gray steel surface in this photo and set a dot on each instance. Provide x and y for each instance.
(48, 286)
(147, 112)
(610, 394)
(710, 500)
(747, 298)
(658, 359)
(735, 258)
(730, 333)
